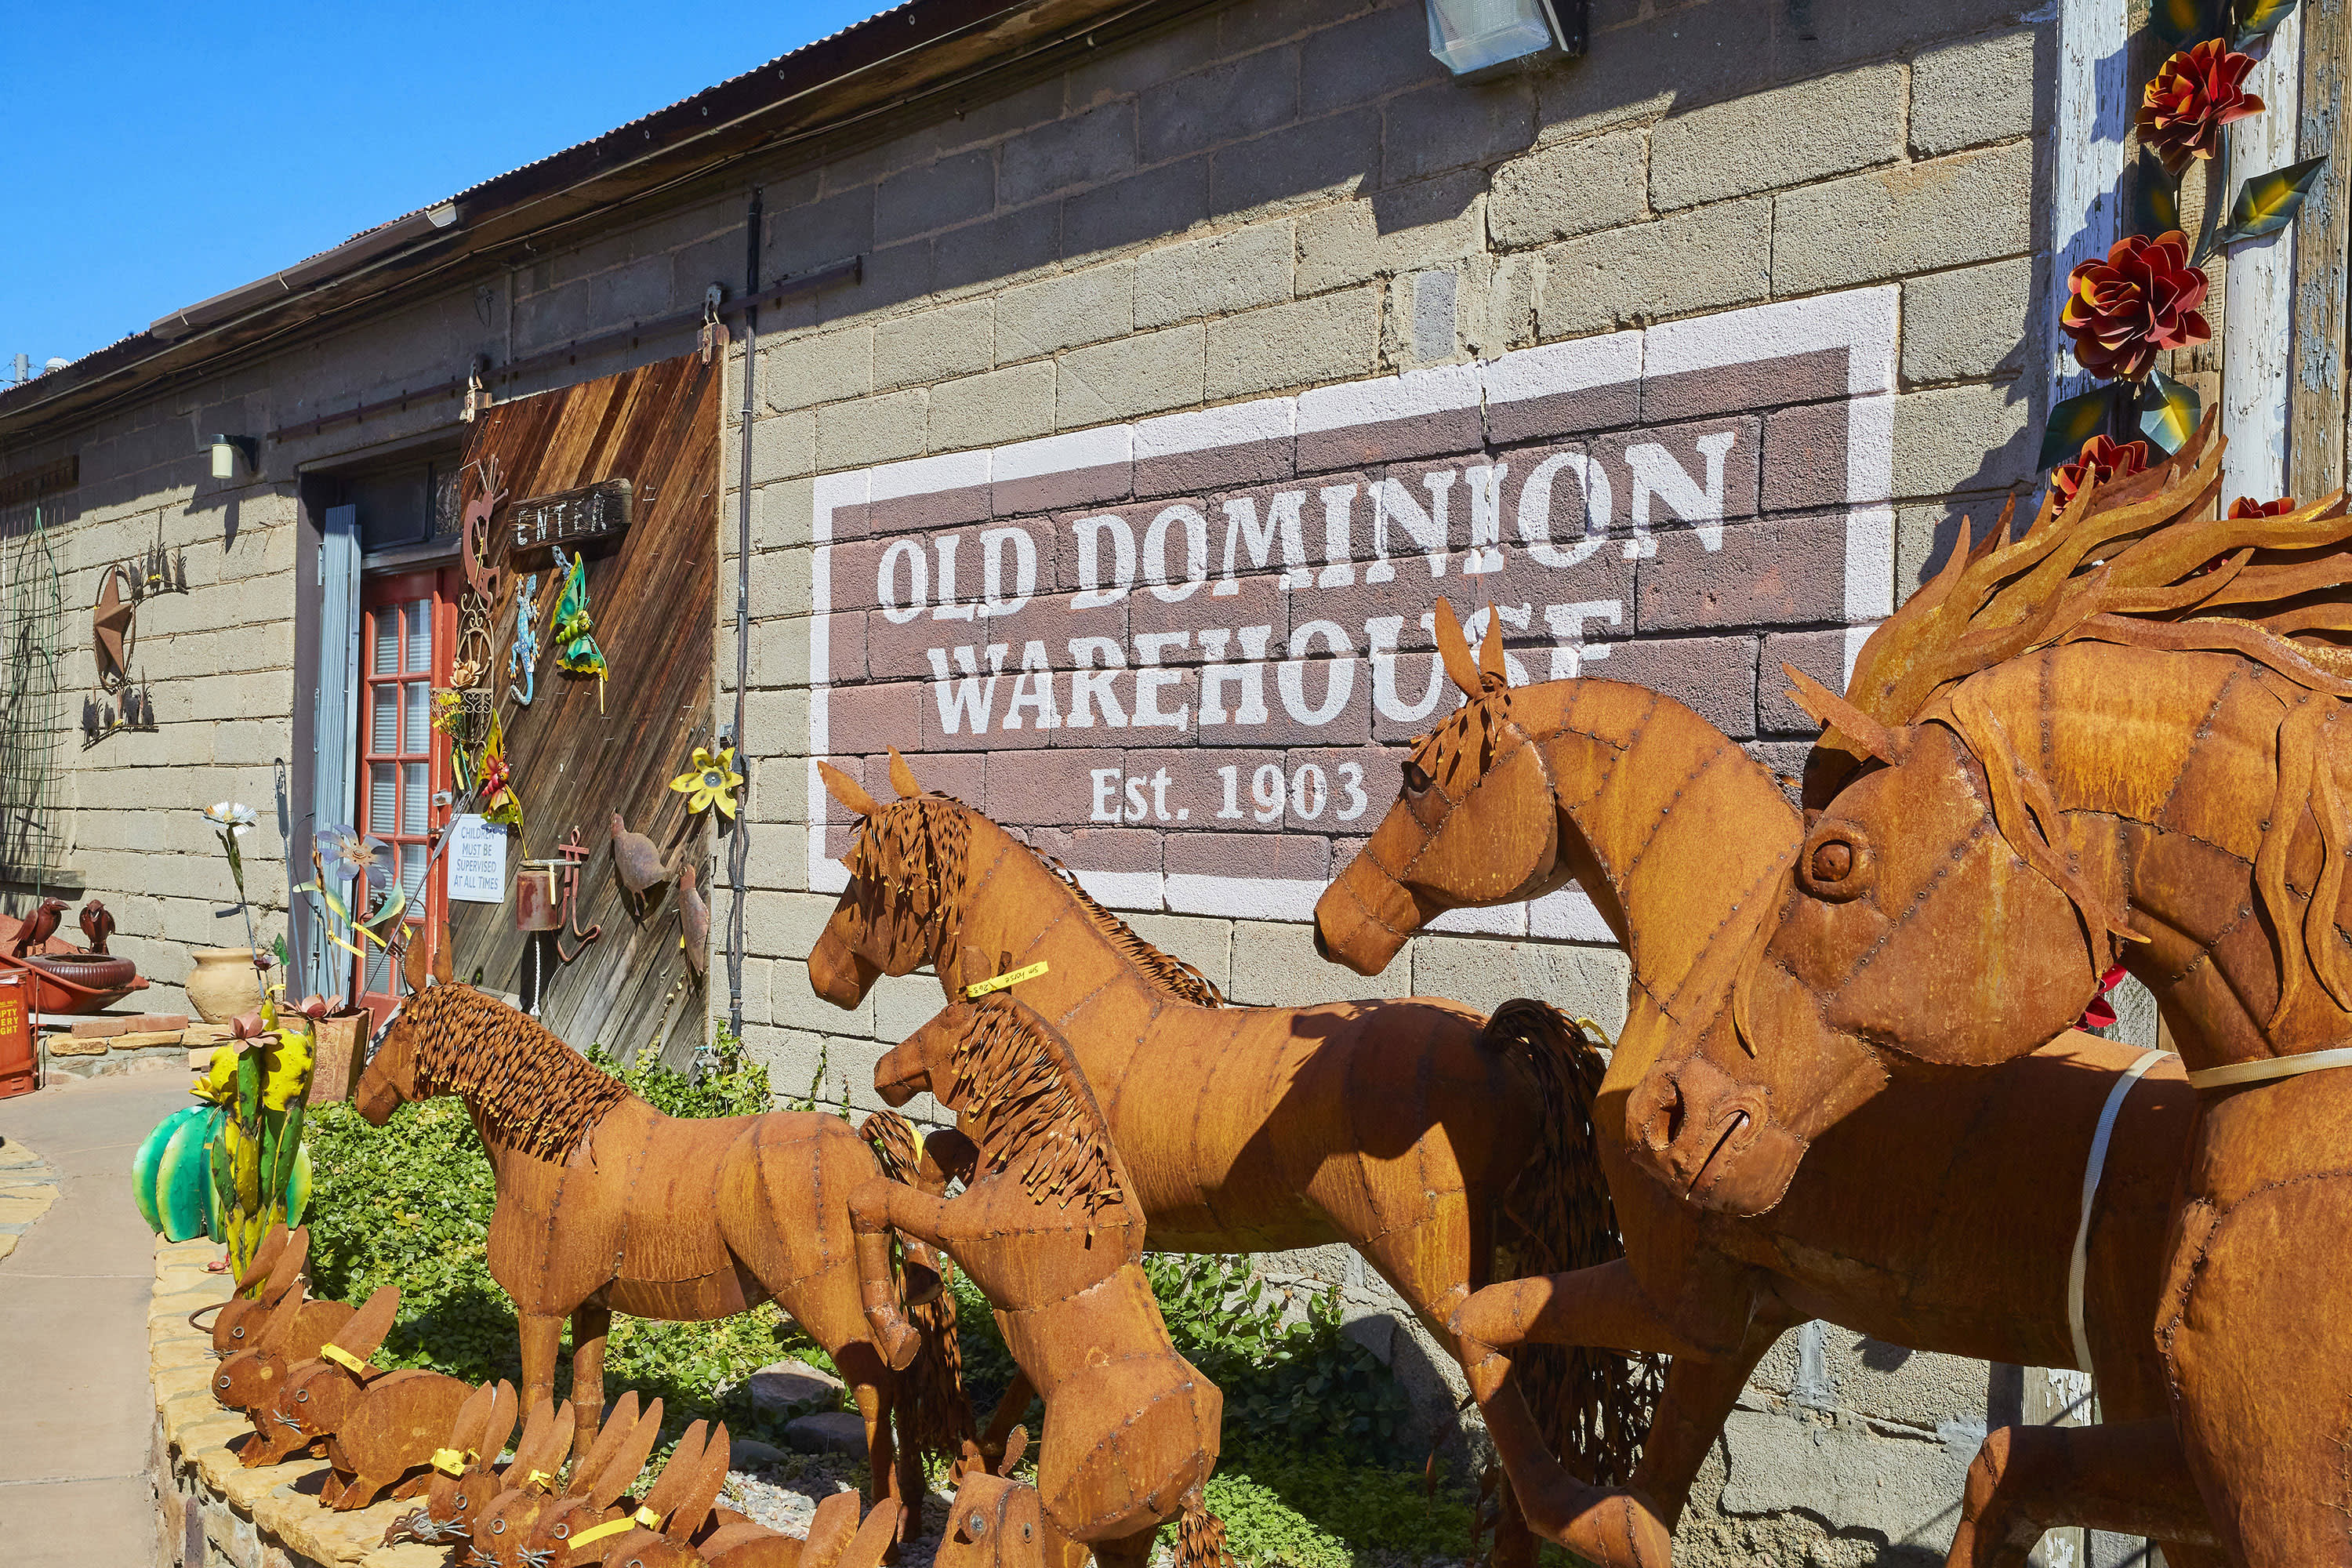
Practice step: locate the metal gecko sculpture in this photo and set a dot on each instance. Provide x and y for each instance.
(1930, 1223)
(2117, 739)
(1048, 1228)
(1413, 1130)
(522, 659)
(604, 1204)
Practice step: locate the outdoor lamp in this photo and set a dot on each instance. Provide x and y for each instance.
(226, 451)
(1473, 37)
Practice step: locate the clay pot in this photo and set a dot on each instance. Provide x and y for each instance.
(225, 983)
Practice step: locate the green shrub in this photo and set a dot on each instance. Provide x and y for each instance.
(1323, 1512)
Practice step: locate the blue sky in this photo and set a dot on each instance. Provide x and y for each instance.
(153, 155)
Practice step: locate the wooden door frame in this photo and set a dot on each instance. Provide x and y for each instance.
(444, 585)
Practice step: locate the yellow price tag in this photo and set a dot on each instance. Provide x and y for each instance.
(536, 1479)
(1009, 978)
(598, 1532)
(448, 1461)
(343, 1358)
(648, 1517)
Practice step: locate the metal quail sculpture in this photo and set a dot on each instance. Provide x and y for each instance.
(638, 863)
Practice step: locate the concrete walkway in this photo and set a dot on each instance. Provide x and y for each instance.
(77, 1418)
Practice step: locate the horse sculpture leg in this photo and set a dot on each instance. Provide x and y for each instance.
(590, 1325)
(2130, 1476)
(543, 1335)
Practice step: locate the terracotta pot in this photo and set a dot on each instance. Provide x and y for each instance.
(225, 983)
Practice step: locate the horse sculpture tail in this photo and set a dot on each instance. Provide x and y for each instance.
(1594, 1406)
(1200, 1535)
(934, 1413)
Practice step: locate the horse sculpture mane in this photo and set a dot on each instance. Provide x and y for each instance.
(531, 1090)
(1019, 1101)
(2129, 561)
(919, 847)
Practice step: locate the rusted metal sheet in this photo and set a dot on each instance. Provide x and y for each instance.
(653, 587)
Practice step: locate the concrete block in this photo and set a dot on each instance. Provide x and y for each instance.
(1919, 217)
(870, 430)
(1486, 972)
(1703, 259)
(780, 516)
(1144, 373)
(1429, 222)
(1063, 312)
(1299, 165)
(1846, 1475)
(1206, 945)
(1276, 965)
(1151, 205)
(1104, 74)
(1971, 93)
(783, 446)
(1963, 438)
(935, 195)
(1449, 123)
(1215, 276)
(824, 367)
(1010, 405)
(1368, 57)
(1768, 140)
(1237, 98)
(932, 345)
(786, 925)
(1330, 337)
(1570, 188)
(1081, 150)
(1968, 325)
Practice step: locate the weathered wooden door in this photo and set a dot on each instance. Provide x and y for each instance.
(580, 754)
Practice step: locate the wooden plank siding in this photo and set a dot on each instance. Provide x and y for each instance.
(2315, 437)
(652, 598)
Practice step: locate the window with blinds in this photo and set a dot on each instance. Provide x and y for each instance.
(405, 635)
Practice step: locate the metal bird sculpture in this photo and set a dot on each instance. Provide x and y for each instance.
(97, 924)
(694, 923)
(638, 864)
(37, 930)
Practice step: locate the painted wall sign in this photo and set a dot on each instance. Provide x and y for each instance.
(477, 860)
(570, 518)
(1183, 654)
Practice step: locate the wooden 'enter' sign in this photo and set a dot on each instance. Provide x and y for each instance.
(570, 518)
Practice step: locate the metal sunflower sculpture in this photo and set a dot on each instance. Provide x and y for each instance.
(712, 781)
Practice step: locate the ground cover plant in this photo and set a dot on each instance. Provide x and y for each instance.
(1320, 1470)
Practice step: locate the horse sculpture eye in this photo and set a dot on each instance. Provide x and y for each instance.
(1833, 861)
(978, 1525)
(1416, 777)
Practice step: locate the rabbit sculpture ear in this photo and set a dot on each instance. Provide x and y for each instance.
(365, 1332)
(619, 1421)
(621, 1472)
(277, 1331)
(265, 1259)
(831, 1530)
(703, 1486)
(669, 1488)
(874, 1537)
(473, 1417)
(499, 1424)
(286, 1269)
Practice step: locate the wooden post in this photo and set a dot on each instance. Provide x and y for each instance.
(2258, 286)
(2316, 393)
(2089, 133)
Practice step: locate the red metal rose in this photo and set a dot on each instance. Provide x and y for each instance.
(2141, 300)
(2247, 506)
(2196, 93)
(2100, 459)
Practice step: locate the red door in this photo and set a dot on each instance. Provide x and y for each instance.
(408, 632)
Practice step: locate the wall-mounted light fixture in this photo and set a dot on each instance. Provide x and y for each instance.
(1476, 39)
(228, 450)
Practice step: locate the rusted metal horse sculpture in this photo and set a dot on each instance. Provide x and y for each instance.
(2118, 739)
(1929, 1221)
(607, 1205)
(1047, 1227)
(1411, 1131)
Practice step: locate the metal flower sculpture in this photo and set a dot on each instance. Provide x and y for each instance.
(2191, 98)
(351, 854)
(712, 781)
(2100, 459)
(2141, 300)
(2247, 506)
(494, 780)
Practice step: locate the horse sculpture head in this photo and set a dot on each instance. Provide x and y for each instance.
(391, 1079)
(2015, 799)
(1474, 825)
(905, 869)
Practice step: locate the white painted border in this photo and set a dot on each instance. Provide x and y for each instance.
(1860, 321)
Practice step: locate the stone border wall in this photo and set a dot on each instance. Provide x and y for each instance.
(214, 1512)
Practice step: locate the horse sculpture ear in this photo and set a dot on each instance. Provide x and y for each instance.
(1864, 736)
(902, 778)
(1453, 649)
(848, 790)
(1017, 1443)
(444, 970)
(1493, 672)
(415, 959)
